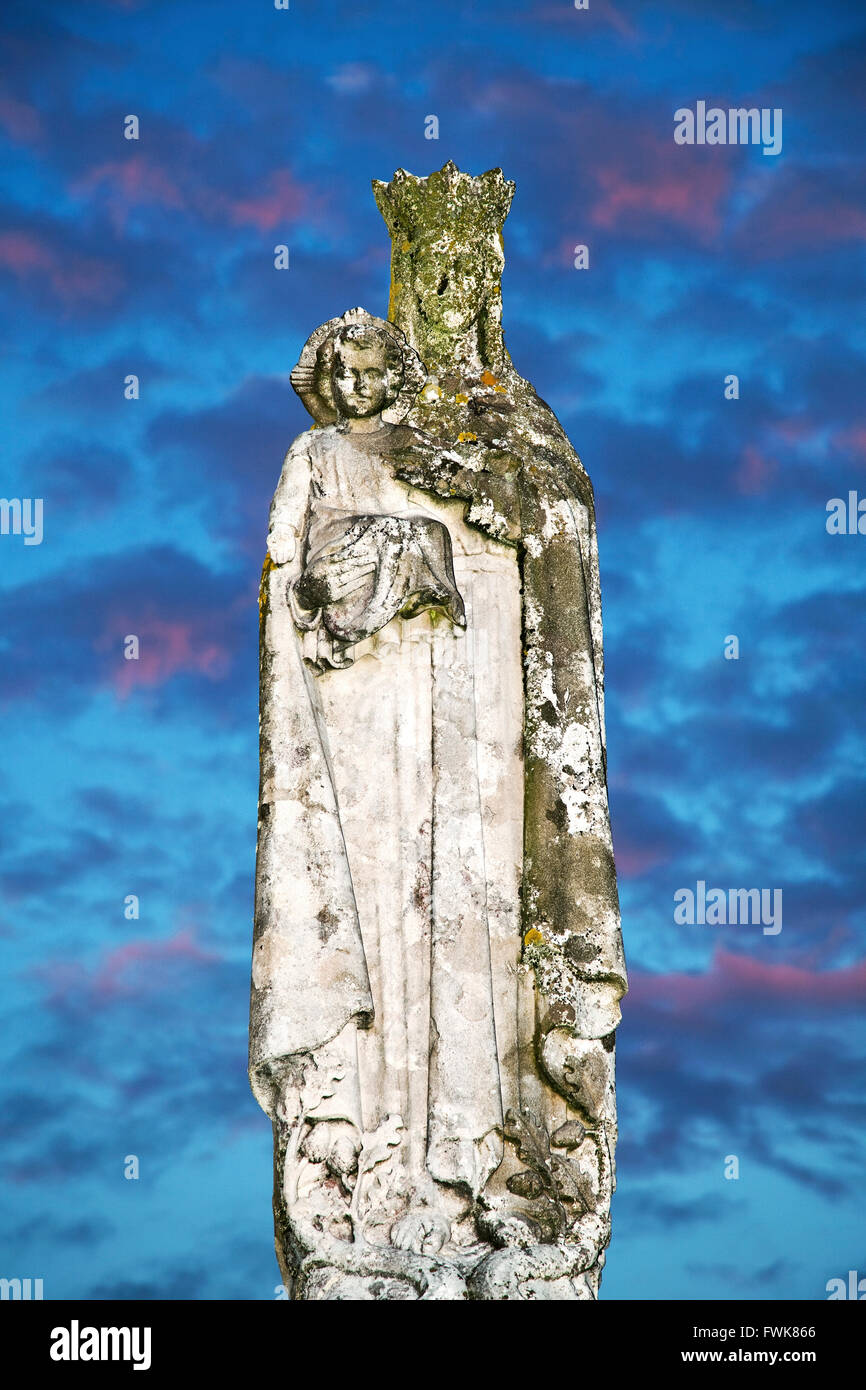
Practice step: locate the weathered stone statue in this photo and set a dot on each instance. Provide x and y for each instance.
(437, 965)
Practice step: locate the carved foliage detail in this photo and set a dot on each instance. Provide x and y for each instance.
(558, 1188)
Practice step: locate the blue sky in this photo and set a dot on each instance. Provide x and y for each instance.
(155, 257)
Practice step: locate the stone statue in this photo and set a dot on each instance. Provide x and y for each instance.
(437, 963)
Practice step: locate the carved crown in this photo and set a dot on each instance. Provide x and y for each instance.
(475, 203)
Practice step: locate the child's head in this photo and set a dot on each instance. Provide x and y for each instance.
(366, 370)
(358, 367)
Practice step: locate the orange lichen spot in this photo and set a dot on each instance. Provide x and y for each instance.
(467, 437)
(488, 378)
(533, 937)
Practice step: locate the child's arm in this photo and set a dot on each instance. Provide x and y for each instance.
(289, 508)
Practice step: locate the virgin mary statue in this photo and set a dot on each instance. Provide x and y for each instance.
(437, 963)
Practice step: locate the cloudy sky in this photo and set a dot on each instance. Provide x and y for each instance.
(156, 257)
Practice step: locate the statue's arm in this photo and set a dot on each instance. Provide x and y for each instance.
(288, 514)
(487, 483)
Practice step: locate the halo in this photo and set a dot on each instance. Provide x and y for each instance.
(313, 384)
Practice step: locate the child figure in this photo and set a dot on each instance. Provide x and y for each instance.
(362, 564)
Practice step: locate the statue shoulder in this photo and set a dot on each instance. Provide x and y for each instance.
(541, 426)
(301, 444)
(307, 446)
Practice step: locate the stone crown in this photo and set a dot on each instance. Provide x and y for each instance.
(447, 197)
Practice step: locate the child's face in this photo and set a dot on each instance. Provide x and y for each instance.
(361, 380)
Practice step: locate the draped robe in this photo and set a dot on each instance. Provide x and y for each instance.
(392, 844)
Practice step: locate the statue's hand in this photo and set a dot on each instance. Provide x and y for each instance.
(282, 544)
(509, 1229)
(335, 574)
(422, 1231)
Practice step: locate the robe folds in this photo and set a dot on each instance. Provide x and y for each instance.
(433, 808)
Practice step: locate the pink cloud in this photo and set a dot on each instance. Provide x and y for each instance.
(755, 473)
(634, 860)
(852, 441)
(146, 960)
(689, 195)
(741, 979)
(133, 968)
(139, 182)
(23, 253)
(795, 429)
(285, 201)
(166, 649)
(73, 278)
(128, 183)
